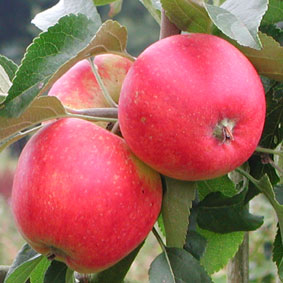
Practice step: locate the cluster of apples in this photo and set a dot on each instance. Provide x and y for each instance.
(191, 107)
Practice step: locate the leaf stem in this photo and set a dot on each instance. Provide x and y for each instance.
(163, 247)
(269, 151)
(105, 92)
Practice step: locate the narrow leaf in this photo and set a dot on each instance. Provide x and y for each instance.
(41, 109)
(222, 184)
(117, 273)
(277, 252)
(44, 57)
(5, 82)
(184, 268)
(12, 139)
(9, 66)
(219, 249)
(176, 205)
(37, 275)
(23, 265)
(274, 12)
(102, 2)
(272, 134)
(187, 15)
(240, 20)
(195, 244)
(221, 214)
(269, 60)
(56, 272)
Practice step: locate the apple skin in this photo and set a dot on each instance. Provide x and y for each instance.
(78, 88)
(80, 194)
(176, 95)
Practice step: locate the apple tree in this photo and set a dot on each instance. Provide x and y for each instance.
(204, 219)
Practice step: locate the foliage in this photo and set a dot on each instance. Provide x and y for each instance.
(203, 222)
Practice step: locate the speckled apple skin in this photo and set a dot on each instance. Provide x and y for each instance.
(175, 94)
(81, 194)
(78, 87)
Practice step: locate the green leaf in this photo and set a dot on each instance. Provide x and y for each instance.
(177, 201)
(56, 272)
(51, 16)
(26, 261)
(221, 214)
(265, 186)
(272, 134)
(222, 184)
(9, 66)
(44, 57)
(269, 60)
(187, 15)
(182, 267)
(70, 278)
(277, 253)
(117, 272)
(5, 83)
(102, 2)
(195, 244)
(154, 8)
(160, 224)
(239, 20)
(42, 108)
(12, 139)
(274, 12)
(37, 275)
(70, 45)
(273, 31)
(219, 249)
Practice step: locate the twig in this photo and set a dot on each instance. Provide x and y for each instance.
(167, 28)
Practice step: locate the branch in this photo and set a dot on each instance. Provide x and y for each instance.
(3, 272)
(167, 27)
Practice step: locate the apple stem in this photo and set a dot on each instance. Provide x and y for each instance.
(223, 131)
(167, 28)
(106, 94)
(269, 150)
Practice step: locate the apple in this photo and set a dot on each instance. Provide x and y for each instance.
(78, 87)
(192, 107)
(80, 195)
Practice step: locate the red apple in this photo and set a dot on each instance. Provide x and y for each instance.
(78, 87)
(192, 107)
(80, 195)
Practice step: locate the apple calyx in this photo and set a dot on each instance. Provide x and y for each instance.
(223, 131)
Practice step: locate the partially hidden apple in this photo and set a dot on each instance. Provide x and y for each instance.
(192, 107)
(79, 89)
(81, 196)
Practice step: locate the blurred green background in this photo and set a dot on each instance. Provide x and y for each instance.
(16, 33)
